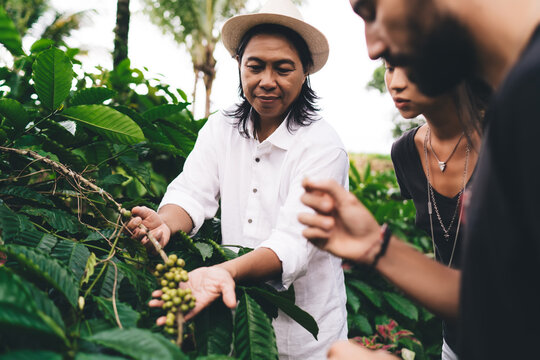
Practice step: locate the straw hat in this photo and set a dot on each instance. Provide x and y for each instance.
(281, 12)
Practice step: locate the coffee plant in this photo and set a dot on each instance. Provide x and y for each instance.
(76, 150)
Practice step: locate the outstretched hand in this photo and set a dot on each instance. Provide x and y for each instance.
(341, 225)
(153, 222)
(206, 284)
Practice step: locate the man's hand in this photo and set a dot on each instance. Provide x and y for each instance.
(153, 222)
(341, 224)
(347, 350)
(206, 284)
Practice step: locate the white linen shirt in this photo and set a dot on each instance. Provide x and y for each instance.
(258, 185)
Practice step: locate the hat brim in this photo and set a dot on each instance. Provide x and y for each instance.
(234, 29)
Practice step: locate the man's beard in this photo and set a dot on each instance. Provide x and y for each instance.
(444, 56)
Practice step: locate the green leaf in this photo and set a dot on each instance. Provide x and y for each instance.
(359, 322)
(40, 45)
(139, 344)
(9, 35)
(89, 268)
(14, 113)
(18, 308)
(72, 254)
(58, 219)
(32, 355)
(113, 179)
(52, 75)
(180, 137)
(48, 269)
(167, 148)
(402, 305)
(288, 307)
(137, 279)
(25, 193)
(110, 281)
(137, 169)
(369, 292)
(107, 122)
(38, 240)
(66, 155)
(84, 356)
(94, 326)
(352, 299)
(254, 337)
(163, 111)
(46, 305)
(354, 174)
(128, 317)
(13, 224)
(214, 329)
(93, 95)
(205, 250)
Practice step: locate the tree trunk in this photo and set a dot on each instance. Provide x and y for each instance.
(208, 81)
(121, 32)
(196, 73)
(209, 71)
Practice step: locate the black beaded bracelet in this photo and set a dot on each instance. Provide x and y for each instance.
(386, 233)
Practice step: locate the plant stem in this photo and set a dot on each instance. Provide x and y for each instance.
(180, 328)
(61, 168)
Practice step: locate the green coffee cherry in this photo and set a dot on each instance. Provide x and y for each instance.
(169, 275)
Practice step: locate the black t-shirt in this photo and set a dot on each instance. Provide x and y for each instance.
(413, 185)
(500, 294)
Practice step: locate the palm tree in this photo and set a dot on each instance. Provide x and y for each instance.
(121, 32)
(196, 24)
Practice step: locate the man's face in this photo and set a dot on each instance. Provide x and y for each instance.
(271, 75)
(436, 49)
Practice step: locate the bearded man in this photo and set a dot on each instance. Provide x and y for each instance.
(442, 43)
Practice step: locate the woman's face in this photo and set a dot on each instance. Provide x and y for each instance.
(408, 99)
(271, 74)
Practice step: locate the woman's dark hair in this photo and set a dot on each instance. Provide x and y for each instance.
(472, 99)
(302, 110)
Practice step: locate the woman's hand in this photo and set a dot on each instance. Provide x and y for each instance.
(341, 225)
(206, 284)
(153, 222)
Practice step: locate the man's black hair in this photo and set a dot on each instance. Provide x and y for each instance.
(303, 110)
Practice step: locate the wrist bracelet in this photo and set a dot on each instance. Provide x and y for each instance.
(386, 233)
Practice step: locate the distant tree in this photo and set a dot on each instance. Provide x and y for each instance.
(26, 14)
(195, 23)
(377, 80)
(400, 124)
(121, 31)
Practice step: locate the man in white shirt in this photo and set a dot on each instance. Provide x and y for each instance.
(251, 160)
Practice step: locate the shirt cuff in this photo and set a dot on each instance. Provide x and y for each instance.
(190, 205)
(293, 254)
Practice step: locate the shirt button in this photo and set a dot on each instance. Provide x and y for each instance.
(250, 221)
(257, 159)
(254, 190)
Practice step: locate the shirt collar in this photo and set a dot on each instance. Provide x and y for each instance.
(282, 137)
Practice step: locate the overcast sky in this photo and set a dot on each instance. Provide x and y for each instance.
(361, 117)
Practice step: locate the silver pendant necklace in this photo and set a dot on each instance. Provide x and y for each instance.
(442, 164)
(433, 205)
